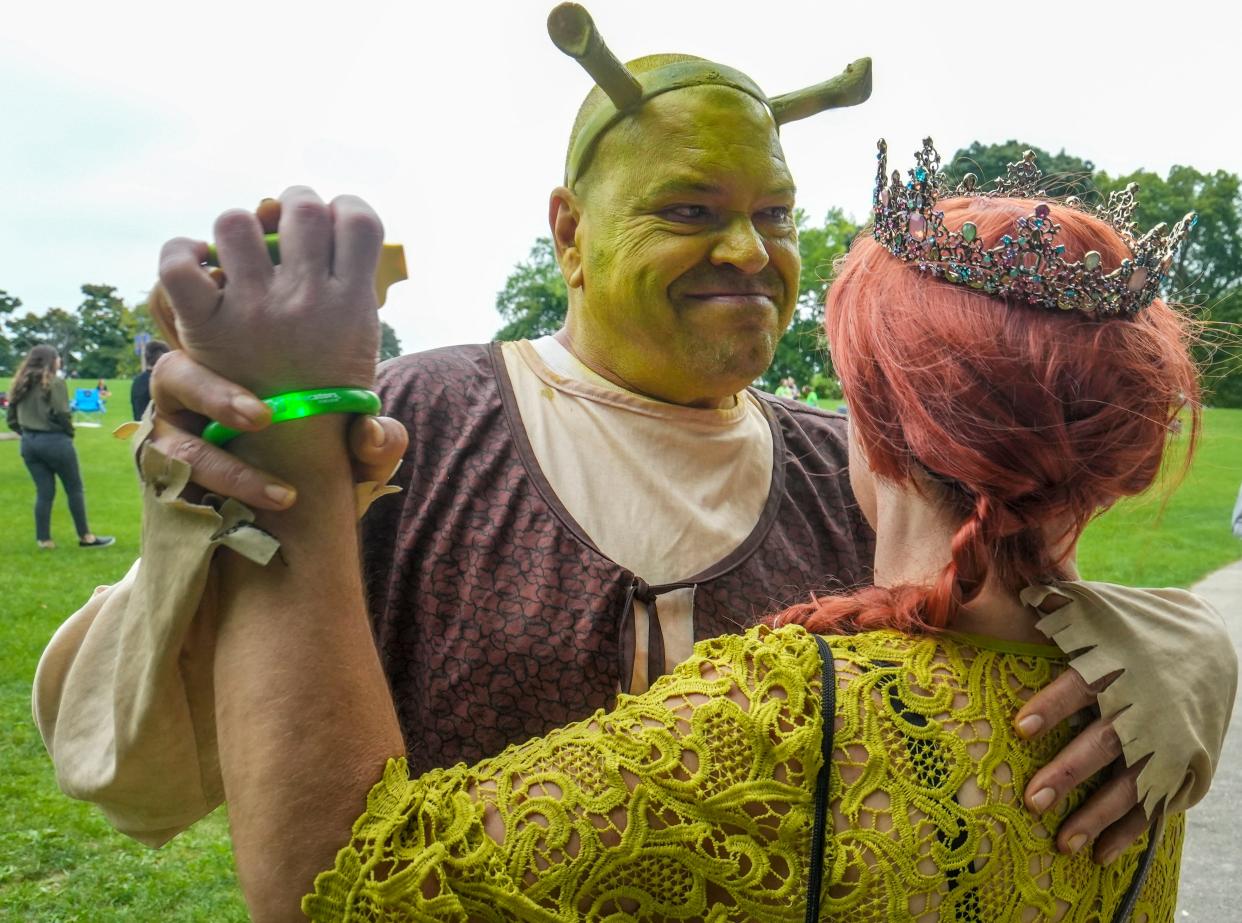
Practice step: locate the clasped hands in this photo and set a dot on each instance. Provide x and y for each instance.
(251, 328)
(311, 322)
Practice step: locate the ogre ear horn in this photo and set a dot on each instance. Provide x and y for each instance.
(849, 88)
(573, 31)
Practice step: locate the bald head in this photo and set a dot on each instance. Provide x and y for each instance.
(597, 99)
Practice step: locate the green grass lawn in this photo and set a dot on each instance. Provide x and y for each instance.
(60, 861)
(1148, 542)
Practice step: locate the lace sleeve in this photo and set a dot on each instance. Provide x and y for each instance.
(690, 801)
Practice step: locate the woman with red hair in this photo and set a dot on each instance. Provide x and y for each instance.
(992, 419)
(864, 756)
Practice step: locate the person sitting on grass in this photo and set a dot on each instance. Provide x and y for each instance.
(987, 429)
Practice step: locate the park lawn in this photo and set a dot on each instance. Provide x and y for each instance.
(1163, 539)
(59, 859)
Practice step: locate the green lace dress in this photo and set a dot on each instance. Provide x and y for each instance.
(693, 801)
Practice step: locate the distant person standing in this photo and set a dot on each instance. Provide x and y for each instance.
(809, 396)
(39, 411)
(1237, 516)
(140, 392)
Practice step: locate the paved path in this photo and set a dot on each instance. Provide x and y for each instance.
(1211, 888)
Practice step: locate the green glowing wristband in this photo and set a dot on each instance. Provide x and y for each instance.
(297, 405)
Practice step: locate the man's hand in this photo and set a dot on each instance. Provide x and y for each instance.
(1112, 817)
(186, 394)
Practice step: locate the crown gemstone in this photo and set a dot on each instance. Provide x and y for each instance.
(918, 225)
(969, 231)
(920, 174)
(1091, 260)
(1041, 210)
(1137, 280)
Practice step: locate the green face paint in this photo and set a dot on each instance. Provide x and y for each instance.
(689, 252)
(684, 264)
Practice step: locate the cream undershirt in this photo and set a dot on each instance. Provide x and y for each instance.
(664, 501)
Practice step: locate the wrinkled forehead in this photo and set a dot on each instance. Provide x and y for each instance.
(713, 131)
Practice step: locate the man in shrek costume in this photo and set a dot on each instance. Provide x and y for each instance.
(575, 511)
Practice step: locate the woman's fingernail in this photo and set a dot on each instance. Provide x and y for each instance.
(278, 494)
(1030, 725)
(266, 199)
(1042, 799)
(251, 408)
(1077, 841)
(1110, 857)
(378, 436)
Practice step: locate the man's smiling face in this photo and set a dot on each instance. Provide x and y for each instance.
(688, 249)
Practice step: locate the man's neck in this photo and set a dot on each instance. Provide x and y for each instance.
(601, 369)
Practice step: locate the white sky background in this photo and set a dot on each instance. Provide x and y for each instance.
(126, 123)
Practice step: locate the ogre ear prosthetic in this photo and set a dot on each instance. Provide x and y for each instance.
(573, 31)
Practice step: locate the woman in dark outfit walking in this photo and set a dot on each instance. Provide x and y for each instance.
(39, 411)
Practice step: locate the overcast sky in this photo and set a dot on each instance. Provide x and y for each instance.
(125, 123)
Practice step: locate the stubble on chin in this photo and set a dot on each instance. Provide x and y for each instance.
(740, 359)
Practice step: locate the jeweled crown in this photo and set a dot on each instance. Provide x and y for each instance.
(1027, 265)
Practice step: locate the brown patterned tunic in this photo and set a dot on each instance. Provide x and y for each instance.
(495, 616)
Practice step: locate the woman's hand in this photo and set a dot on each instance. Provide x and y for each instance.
(309, 322)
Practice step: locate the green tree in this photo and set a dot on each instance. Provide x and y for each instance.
(1206, 276)
(534, 301)
(390, 346)
(802, 353)
(107, 341)
(9, 358)
(1065, 173)
(55, 327)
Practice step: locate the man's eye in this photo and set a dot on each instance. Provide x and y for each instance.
(781, 214)
(688, 212)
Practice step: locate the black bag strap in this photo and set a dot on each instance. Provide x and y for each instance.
(1140, 874)
(828, 715)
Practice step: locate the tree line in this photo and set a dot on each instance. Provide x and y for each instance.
(1205, 280)
(97, 339)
